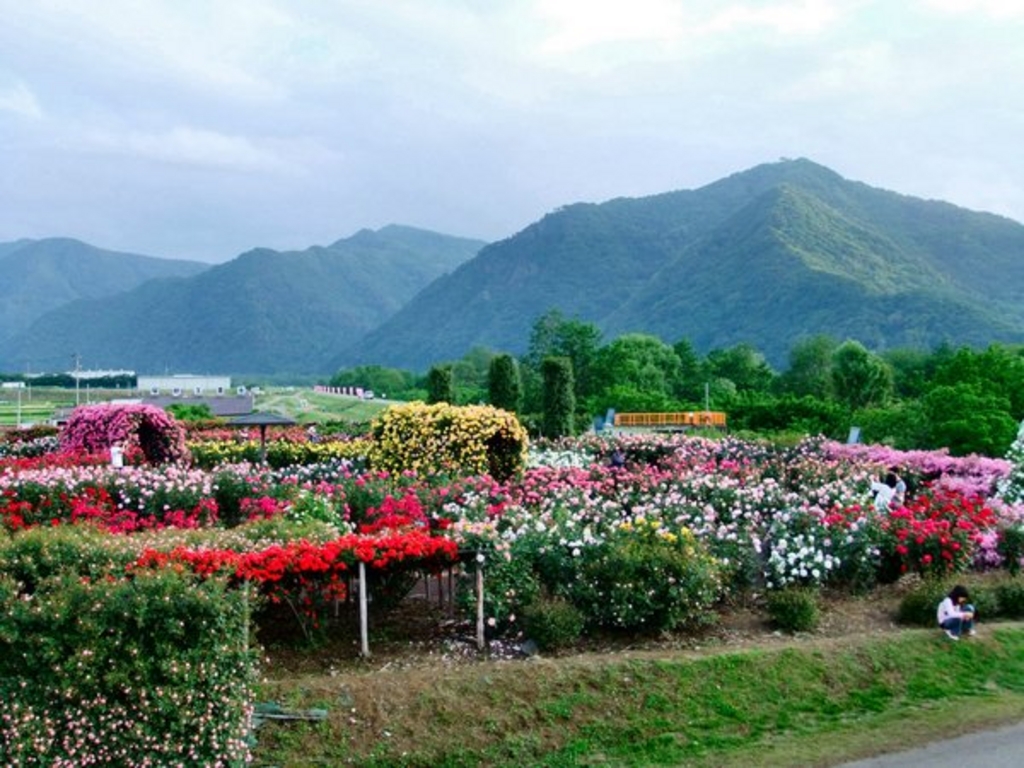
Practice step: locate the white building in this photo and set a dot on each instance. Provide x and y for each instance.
(185, 385)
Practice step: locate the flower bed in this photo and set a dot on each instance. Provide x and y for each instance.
(652, 545)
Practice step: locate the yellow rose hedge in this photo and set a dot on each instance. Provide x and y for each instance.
(449, 439)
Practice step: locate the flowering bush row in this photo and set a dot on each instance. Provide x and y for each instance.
(148, 671)
(280, 453)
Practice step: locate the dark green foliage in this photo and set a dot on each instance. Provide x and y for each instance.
(810, 368)
(966, 420)
(742, 365)
(230, 488)
(1010, 595)
(1011, 547)
(553, 623)
(635, 362)
(860, 378)
(642, 581)
(918, 607)
(904, 425)
(789, 413)
(559, 400)
(182, 412)
(794, 609)
(504, 385)
(441, 385)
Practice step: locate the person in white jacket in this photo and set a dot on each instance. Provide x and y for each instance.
(956, 614)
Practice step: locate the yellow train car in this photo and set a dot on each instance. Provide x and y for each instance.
(682, 419)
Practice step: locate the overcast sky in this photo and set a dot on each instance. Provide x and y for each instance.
(201, 128)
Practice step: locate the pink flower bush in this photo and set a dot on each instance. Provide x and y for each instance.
(143, 431)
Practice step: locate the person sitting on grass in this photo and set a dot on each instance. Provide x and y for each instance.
(956, 615)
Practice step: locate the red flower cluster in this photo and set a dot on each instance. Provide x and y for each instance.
(305, 573)
(394, 514)
(937, 532)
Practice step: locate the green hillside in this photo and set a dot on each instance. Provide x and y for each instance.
(41, 275)
(263, 312)
(767, 256)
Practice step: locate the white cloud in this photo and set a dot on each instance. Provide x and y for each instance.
(800, 17)
(19, 99)
(189, 146)
(581, 24)
(996, 9)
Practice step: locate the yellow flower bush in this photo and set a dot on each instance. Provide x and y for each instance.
(450, 439)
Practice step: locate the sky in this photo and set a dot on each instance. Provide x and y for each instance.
(199, 129)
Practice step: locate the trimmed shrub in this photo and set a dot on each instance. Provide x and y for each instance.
(918, 606)
(1011, 547)
(447, 439)
(1010, 595)
(646, 578)
(794, 609)
(552, 623)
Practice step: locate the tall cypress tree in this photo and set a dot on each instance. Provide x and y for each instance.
(505, 387)
(559, 399)
(440, 385)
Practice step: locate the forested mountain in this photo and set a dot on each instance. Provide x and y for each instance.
(41, 275)
(263, 312)
(767, 256)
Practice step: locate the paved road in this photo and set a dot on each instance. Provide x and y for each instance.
(1002, 748)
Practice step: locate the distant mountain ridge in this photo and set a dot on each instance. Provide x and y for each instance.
(41, 275)
(263, 312)
(767, 256)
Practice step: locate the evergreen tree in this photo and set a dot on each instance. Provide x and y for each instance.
(860, 378)
(559, 399)
(440, 385)
(504, 384)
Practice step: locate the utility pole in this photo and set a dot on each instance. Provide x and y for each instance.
(78, 367)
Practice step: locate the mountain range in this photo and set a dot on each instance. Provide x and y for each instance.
(767, 256)
(263, 312)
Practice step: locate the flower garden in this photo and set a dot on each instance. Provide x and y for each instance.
(130, 595)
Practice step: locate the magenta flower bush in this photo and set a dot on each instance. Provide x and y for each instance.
(143, 431)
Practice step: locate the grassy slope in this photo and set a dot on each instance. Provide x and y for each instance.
(813, 702)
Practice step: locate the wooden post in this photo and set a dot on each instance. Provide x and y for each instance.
(247, 612)
(480, 640)
(364, 632)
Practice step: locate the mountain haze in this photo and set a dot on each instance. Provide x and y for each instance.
(263, 312)
(41, 275)
(767, 256)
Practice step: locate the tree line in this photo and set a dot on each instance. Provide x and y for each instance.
(967, 400)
